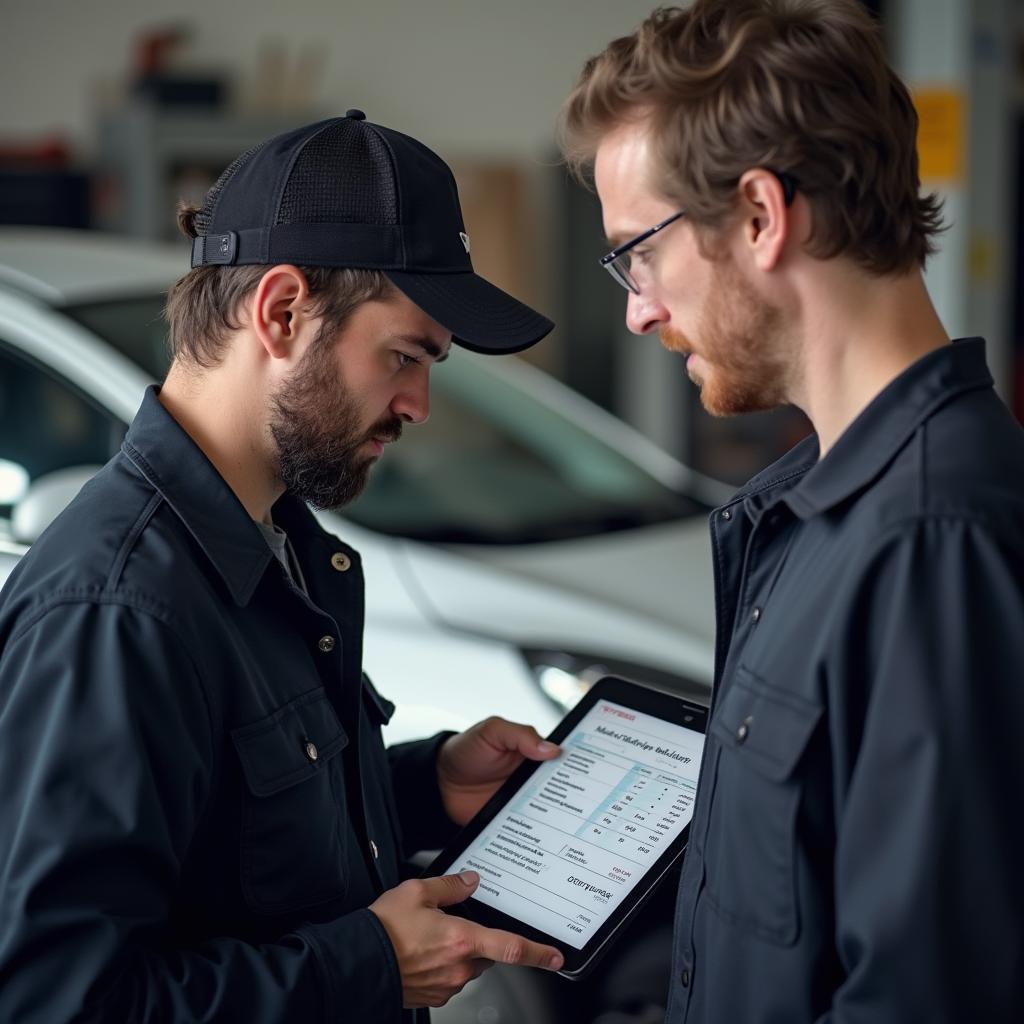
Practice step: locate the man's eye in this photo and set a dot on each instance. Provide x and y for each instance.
(404, 360)
(641, 256)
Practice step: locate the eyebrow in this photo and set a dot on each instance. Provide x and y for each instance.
(431, 347)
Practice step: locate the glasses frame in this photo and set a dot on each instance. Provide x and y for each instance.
(622, 276)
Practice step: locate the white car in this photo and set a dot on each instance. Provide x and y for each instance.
(517, 546)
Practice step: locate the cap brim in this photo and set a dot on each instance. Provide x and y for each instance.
(480, 316)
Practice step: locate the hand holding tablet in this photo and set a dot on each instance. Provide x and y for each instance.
(568, 849)
(438, 954)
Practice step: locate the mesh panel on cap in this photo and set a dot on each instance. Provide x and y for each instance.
(205, 216)
(342, 176)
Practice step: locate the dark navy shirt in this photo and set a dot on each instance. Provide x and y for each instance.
(857, 849)
(196, 805)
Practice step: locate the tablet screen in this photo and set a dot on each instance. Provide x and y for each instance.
(575, 839)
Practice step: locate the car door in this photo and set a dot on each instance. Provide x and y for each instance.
(53, 431)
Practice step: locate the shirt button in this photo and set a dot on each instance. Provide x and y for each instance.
(326, 644)
(685, 978)
(744, 730)
(341, 561)
(373, 849)
(727, 515)
(310, 748)
(755, 615)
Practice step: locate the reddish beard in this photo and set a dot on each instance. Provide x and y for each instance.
(742, 363)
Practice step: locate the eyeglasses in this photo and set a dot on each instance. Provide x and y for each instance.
(618, 262)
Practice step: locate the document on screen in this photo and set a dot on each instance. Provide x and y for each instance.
(573, 841)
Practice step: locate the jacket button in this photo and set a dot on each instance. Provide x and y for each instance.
(755, 615)
(685, 978)
(310, 748)
(373, 849)
(727, 515)
(744, 730)
(341, 561)
(326, 644)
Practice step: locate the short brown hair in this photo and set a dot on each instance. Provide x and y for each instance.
(202, 308)
(794, 86)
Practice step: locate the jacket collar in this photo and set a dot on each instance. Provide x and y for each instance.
(810, 486)
(880, 432)
(161, 450)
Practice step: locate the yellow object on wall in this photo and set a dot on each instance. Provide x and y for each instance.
(941, 141)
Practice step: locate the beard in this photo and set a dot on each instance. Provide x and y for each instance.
(742, 345)
(315, 422)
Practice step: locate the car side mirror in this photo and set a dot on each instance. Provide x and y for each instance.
(45, 499)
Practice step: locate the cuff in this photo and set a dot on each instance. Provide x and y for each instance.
(359, 966)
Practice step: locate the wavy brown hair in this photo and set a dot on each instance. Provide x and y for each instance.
(203, 308)
(795, 86)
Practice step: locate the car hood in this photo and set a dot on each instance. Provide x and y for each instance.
(645, 595)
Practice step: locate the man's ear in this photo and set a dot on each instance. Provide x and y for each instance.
(278, 315)
(766, 220)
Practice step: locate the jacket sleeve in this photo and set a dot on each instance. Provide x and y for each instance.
(928, 880)
(106, 761)
(421, 813)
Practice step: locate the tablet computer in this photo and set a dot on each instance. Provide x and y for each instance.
(567, 850)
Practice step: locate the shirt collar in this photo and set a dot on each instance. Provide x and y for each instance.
(881, 430)
(809, 485)
(174, 465)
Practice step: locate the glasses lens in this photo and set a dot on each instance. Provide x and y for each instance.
(619, 269)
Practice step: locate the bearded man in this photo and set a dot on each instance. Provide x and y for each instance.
(855, 849)
(198, 817)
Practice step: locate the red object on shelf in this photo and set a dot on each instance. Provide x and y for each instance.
(153, 47)
(46, 152)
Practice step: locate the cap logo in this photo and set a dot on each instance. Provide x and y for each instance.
(465, 241)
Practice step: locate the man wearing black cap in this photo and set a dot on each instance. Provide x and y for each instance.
(198, 818)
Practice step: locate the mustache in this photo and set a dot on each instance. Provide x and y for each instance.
(674, 341)
(389, 429)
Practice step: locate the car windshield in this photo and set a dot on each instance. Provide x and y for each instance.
(494, 464)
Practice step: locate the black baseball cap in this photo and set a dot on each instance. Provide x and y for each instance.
(347, 193)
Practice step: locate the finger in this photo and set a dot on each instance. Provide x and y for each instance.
(506, 948)
(480, 965)
(524, 739)
(446, 890)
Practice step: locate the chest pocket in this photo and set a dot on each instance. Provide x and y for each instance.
(293, 839)
(751, 840)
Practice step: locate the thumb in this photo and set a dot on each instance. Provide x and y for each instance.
(449, 889)
(524, 739)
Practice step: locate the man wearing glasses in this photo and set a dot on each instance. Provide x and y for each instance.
(855, 850)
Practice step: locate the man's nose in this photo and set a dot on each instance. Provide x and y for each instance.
(644, 313)
(412, 403)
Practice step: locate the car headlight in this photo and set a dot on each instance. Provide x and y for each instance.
(14, 482)
(564, 677)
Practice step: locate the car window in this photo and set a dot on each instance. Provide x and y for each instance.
(45, 425)
(493, 465)
(134, 326)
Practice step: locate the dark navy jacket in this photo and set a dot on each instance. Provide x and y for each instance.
(857, 850)
(196, 806)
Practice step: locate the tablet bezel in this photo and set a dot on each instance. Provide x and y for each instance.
(668, 707)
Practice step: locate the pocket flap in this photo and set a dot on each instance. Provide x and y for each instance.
(381, 709)
(768, 727)
(292, 744)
